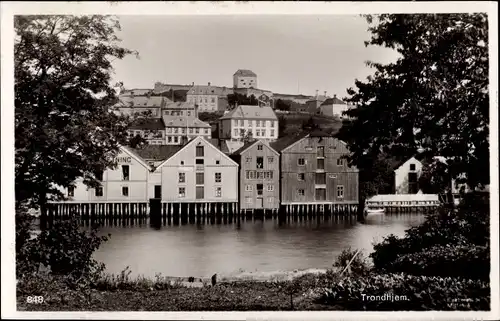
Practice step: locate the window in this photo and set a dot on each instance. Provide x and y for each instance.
(189, 113)
(272, 124)
(270, 200)
(218, 177)
(321, 178)
(235, 122)
(99, 175)
(301, 176)
(182, 162)
(166, 112)
(213, 100)
(248, 188)
(301, 161)
(125, 190)
(176, 139)
(321, 151)
(182, 192)
(260, 188)
(271, 175)
(175, 130)
(272, 132)
(247, 174)
(190, 130)
(218, 191)
(257, 133)
(260, 162)
(182, 177)
(340, 191)
(236, 132)
(217, 162)
(199, 151)
(200, 161)
(200, 178)
(249, 159)
(248, 200)
(259, 147)
(125, 172)
(340, 162)
(242, 122)
(258, 123)
(98, 191)
(270, 160)
(263, 132)
(200, 192)
(300, 192)
(71, 191)
(270, 188)
(412, 167)
(206, 131)
(197, 130)
(169, 139)
(321, 164)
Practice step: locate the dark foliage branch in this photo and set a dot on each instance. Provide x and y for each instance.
(434, 97)
(63, 125)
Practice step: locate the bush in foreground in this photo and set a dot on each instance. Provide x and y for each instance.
(406, 292)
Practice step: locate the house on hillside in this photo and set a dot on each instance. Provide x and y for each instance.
(314, 171)
(199, 172)
(312, 106)
(162, 88)
(244, 78)
(135, 92)
(179, 109)
(126, 183)
(258, 176)
(260, 122)
(181, 129)
(333, 107)
(208, 98)
(151, 129)
(137, 105)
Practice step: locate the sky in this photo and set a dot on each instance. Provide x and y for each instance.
(289, 54)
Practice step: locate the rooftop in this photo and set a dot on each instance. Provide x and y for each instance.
(183, 121)
(403, 198)
(148, 123)
(252, 112)
(156, 152)
(286, 141)
(179, 105)
(333, 101)
(245, 73)
(142, 101)
(136, 92)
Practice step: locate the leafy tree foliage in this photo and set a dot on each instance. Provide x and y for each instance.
(282, 126)
(434, 97)
(282, 105)
(310, 124)
(237, 99)
(64, 126)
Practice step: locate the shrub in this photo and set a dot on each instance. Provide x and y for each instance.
(466, 226)
(465, 261)
(66, 250)
(406, 292)
(359, 266)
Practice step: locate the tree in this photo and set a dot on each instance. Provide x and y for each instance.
(282, 105)
(434, 98)
(310, 124)
(237, 99)
(282, 126)
(64, 125)
(248, 136)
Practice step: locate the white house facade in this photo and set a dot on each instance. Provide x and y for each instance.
(259, 121)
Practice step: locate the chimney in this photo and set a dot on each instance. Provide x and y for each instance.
(317, 91)
(325, 93)
(209, 83)
(334, 96)
(192, 84)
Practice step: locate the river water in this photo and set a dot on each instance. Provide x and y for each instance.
(256, 246)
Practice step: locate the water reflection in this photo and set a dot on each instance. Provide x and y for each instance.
(203, 246)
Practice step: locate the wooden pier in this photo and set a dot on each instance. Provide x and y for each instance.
(405, 203)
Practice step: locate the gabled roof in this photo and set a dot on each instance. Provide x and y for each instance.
(247, 145)
(184, 121)
(148, 124)
(157, 152)
(195, 141)
(210, 90)
(333, 101)
(133, 154)
(251, 112)
(287, 141)
(398, 162)
(245, 73)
